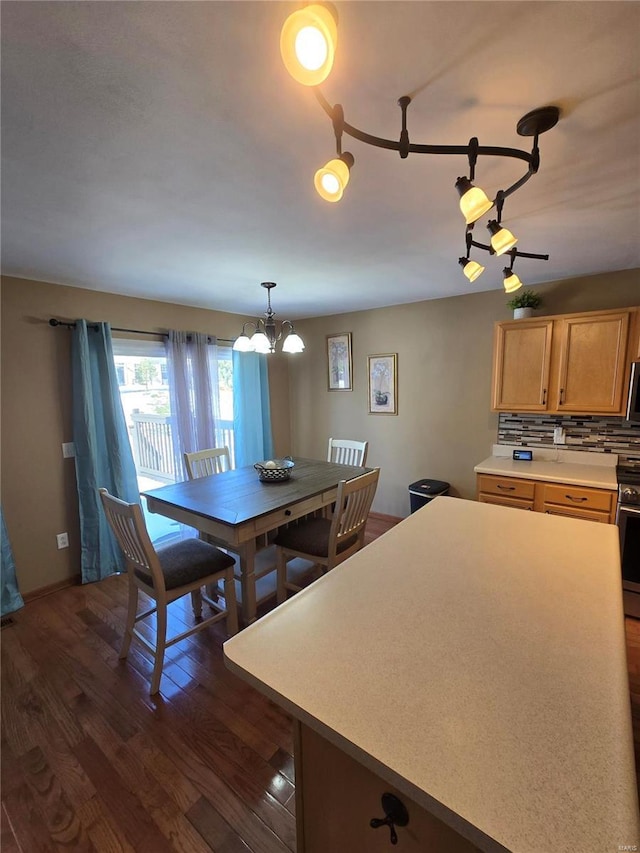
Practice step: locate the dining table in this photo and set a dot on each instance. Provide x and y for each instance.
(237, 510)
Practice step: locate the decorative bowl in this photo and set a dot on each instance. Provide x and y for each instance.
(274, 470)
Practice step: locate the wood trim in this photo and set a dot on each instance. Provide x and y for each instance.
(35, 594)
(390, 519)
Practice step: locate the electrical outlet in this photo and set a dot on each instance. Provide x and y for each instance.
(558, 435)
(68, 450)
(63, 540)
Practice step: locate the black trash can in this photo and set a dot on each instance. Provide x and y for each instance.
(423, 491)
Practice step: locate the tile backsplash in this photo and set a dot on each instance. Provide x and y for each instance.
(582, 432)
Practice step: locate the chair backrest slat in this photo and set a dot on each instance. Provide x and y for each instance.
(352, 506)
(203, 463)
(127, 522)
(345, 451)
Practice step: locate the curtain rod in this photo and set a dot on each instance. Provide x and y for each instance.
(54, 322)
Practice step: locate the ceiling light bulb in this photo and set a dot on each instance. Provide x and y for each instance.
(308, 43)
(473, 200)
(511, 280)
(292, 343)
(501, 238)
(472, 269)
(331, 180)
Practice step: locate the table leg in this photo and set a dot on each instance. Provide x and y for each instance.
(248, 581)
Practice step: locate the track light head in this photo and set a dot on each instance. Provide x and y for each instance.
(331, 180)
(472, 269)
(511, 280)
(473, 200)
(501, 238)
(308, 42)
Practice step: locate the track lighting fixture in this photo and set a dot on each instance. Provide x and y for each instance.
(308, 43)
(473, 200)
(331, 180)
(472, 269)
(265, 335)
(502, 240)
(511, 281)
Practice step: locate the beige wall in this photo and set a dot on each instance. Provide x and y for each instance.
(444, 426)
(38, 485)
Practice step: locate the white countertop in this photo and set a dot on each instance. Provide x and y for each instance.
(597, 470)
(473, 657)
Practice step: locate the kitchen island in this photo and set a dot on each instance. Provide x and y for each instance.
(471, 661)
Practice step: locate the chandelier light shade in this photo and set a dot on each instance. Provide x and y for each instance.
(474, 202)
(331, 180)
(266, 334)
(511, 280)
(472, 269)
(308, 43)
(502, 240)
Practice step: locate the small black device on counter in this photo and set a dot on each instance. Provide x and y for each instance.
(523, 455)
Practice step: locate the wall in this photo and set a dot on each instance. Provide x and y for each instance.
(38, 485)
(444, 426)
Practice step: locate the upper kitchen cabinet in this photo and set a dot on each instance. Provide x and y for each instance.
(593, 352)
(566, 364)
(521, 365)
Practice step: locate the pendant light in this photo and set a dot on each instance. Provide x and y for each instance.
(502, 240)
(472, 269)
(331, 180)
(474, 202)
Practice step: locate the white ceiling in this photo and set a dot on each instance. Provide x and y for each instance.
(159, 149)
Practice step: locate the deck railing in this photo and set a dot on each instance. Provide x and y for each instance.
(153, 450)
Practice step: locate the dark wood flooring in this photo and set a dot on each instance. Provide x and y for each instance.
(91, 762)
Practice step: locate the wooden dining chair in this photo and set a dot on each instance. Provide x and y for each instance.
(347, 452)
(202, 463)
(327, 541)
(165, 575)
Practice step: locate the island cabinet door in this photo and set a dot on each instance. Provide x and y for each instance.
(592, 363)
(336, 798)
(521, 365)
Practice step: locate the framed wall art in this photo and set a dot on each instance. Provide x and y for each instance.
(339, 363)
(383, 384)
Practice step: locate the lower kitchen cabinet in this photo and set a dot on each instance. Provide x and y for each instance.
(553, 498)
(336, 798)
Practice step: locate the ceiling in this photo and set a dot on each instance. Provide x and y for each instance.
(160, 149)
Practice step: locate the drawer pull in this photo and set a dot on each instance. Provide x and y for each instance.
(505, 488)
(575, 500)
(287, 512)
(396, 813)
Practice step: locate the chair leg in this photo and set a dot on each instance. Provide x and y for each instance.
(196, 603)
(281, 570)
(161, 639)
(230, 601)
(132, 612)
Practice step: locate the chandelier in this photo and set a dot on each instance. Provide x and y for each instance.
(308, 43)
(265, 335)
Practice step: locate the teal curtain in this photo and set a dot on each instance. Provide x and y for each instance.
(10, 598)
(103, 452)
(251, 409)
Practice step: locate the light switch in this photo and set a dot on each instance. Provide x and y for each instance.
(68, 450)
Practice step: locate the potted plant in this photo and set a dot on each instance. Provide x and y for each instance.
(524, 303)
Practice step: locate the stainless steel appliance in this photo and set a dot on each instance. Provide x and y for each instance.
(628, 520)
(633, 403)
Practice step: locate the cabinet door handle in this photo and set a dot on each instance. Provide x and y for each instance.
(395, 813)
(560, 400)
(575, 500)
(505, 488)
(544, 396)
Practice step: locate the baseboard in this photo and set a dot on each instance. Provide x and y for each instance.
(48, 590)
